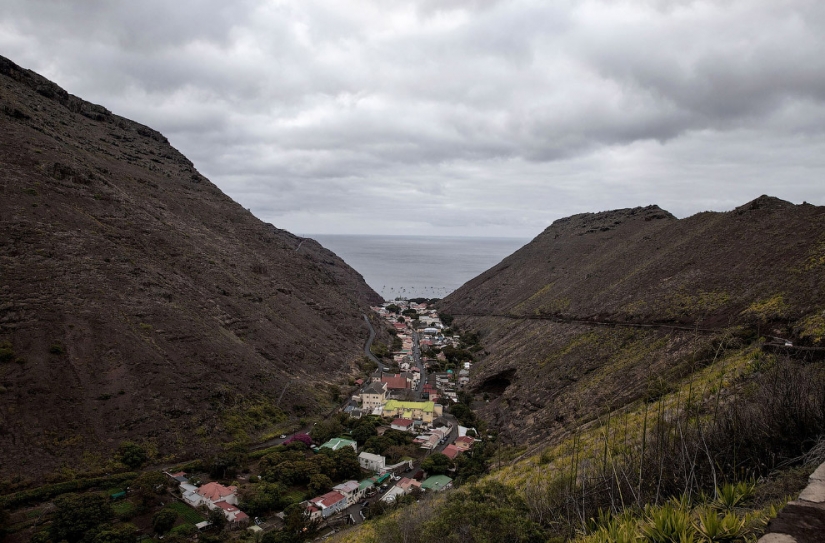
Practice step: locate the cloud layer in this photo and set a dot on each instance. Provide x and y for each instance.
(472, 117)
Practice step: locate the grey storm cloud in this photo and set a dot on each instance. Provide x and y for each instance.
(456, 116)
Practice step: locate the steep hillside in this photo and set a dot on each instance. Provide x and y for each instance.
(603, 309)
(137, 301)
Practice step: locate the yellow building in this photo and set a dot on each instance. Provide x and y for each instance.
(423, 411)
(373, 396)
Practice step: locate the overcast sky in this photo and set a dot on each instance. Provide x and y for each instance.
(455, 117)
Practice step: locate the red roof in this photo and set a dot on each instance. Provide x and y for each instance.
(215, 491)
(466, 441)
(405, 483)
(450, 451)
(329, 499)
(396, 382)
(226, 506)
(406, 423)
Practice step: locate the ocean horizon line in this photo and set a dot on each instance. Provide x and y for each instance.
(412, 236)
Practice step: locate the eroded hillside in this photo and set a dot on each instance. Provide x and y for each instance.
(604, 309)
(137, 301)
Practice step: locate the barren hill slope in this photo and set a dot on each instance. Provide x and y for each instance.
(137, 301)
(602, 309)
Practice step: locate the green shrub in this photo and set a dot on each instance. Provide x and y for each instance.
(132, 454)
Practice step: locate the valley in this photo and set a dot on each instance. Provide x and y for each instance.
(171, 366)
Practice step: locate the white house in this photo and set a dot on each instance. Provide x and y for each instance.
(372, 462)
(215, 496)
(350, 490)
(326, 505)
(403, 425)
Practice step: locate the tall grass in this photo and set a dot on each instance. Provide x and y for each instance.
(772, 421)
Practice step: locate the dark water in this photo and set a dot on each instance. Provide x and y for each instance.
(418, 266)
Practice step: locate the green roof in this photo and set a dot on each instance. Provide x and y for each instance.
(436, 482)
(338, 443)
(397, 404)
(366, 483)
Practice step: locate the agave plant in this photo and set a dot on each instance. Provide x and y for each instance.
(667, 524)
(613, 529)
(731, 496)
(715, 528)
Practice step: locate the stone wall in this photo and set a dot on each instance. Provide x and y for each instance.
(802, 520)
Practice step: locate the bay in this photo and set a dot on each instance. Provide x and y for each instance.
(418, 266)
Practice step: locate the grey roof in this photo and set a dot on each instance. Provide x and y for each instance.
(374, 388)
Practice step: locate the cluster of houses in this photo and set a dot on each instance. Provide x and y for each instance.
(391, 395)
(339, 498)
(446, 383)
(212, 496)
(380, 396)
(346, 494)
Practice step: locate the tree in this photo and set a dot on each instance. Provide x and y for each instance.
(77, 515)
(326, 430)
(147, 487)
(319, 484)
(263, 498)
(217, 518)
(226, 464)
(346, 464)
(296, 519)
(378, 444)
(436, 464)
(397, 452)
(163, 521)
(463, 413)
(132, 454)
(363, 431)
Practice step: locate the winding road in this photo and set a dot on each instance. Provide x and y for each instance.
(368, 344)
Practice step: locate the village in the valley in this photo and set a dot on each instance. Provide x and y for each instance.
(397, 425)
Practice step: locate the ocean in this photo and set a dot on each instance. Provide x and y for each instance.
(418, 266)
